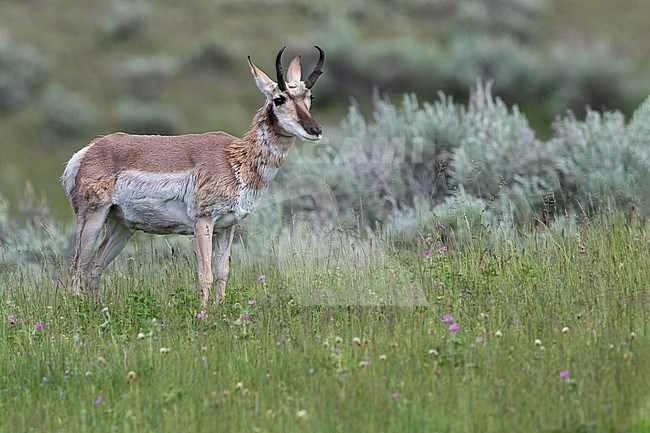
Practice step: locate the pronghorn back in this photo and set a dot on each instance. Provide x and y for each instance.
(90, 175)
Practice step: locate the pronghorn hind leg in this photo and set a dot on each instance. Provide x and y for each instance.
(115, 239)
(203, 230)
(89, 226)
(222, 244)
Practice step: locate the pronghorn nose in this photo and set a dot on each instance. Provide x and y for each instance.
(315, 130)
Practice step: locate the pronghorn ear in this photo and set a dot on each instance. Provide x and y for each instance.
(264, 83)
(294, 71)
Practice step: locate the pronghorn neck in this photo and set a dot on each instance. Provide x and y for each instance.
(257, 157)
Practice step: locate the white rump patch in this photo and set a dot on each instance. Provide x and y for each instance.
(71, 170)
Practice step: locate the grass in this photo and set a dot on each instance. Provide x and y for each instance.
(343, 335)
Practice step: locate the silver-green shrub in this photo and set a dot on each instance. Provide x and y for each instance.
(22, 71)
(604, 163)
(213, 51)
(380, 166)
(499, 155)
(591, 75)
(523, 19)
(423, 152)
(67, 113)
(32, 242)
(146, 76)
(516, 69)
(125, 19)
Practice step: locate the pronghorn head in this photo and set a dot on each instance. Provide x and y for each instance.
(290, 99)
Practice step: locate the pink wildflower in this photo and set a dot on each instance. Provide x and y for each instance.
(39, 325)
(245, 316)
(262, 277)
(439, 226)
(12, 318)
(105, 310)
(98, 399)
(454, 327)
(564, 373)
(447, 318)
(427, 252)
(479, 340)
(441, 249)
(251, 302)
(201, 315)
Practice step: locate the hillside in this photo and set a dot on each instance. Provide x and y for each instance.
(180, 65)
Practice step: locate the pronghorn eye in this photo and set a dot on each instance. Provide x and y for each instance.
(279, 100)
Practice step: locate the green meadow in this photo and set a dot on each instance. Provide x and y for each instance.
(541, 332)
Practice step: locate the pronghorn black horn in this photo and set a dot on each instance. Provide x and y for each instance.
(278, 67)
(317, 70)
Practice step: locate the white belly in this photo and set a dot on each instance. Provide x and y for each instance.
(155, 203)
(163, 203)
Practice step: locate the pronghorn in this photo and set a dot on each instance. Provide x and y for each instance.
(194, 184)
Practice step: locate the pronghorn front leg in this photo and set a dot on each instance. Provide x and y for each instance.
(223, 241)
(203, 229)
